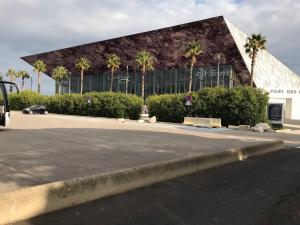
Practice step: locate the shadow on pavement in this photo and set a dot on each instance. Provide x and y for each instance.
(33, 157)
(259, 191)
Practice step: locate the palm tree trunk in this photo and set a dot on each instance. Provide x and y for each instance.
(39, 82)
(191, 78)
(23, 84)
(59, 88)
(81, 82)
(11, 88)
(252, 69)
(111, 80)
(143, 84)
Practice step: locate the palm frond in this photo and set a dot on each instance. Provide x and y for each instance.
(83, 64)
(113, 62)
(60, 73)
(144, 59)
(40, 66)
(254, 44)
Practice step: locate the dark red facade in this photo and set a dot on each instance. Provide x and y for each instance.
(167, 46)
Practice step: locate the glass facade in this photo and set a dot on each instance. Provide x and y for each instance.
(156, 81)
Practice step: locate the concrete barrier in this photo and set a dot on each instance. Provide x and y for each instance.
(244, 127)
(239, 127)
(202, 122)
(33, 201)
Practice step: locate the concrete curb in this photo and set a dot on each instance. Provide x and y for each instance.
(33, 201)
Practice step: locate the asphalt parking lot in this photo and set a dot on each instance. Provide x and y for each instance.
(263, 190)
(40, 149)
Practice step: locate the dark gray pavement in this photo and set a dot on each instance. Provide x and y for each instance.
(263, 190)
(42, 149)
(33, 157)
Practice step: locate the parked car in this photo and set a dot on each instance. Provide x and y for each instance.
(35, 109)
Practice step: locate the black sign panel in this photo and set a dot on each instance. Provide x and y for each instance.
(275, 113)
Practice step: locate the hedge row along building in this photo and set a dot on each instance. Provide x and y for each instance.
(223, 56)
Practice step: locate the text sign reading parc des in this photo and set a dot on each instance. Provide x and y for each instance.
(283, 91)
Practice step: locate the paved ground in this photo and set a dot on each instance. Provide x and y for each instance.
(292, 124)
(41, 149)
(263, 190)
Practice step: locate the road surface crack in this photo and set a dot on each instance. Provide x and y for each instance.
(282, 198)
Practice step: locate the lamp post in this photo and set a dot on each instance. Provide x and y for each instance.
(200, 74)
(70, 83)
(126, 85)
(218, 79)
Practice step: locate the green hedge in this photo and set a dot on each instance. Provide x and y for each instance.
(104, 104)
(239, 105)
(25, 99)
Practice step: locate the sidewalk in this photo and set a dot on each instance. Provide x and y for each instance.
(42, 149)
(68, 160)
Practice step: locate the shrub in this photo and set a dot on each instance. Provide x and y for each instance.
(25, 99)
(239, 105)
(105, 104)
(167, 107)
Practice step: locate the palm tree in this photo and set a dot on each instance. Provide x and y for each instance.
(12, 75)
(113, 63)
(39, 67)
(254, 44)
(83, 64)
(24, 75)
(192, 50)
(60, 73)
(145, 61)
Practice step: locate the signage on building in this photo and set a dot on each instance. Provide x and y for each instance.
(275, 113)
(284, 91)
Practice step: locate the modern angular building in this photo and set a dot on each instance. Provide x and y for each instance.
(223, 59)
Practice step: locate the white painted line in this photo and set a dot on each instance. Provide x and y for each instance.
(298, 147)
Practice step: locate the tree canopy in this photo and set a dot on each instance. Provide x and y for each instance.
(60, 73)
(254, 44)
(113, 62)
(83, 64)
(40, 66)
(23, 74)
(145, 60)
(192, 50)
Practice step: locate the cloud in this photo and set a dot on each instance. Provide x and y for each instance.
(32, 26)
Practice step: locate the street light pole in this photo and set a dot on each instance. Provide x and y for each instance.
(70, 83)
(218, 79)
(126, 84)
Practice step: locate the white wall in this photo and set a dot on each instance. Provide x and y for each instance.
(291, 99)
(296, 108)
(271, 75)
(288, 108)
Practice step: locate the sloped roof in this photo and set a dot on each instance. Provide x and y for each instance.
(269, 72)
(166, 44)
(217, 36)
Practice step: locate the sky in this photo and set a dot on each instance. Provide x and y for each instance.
(33, 26)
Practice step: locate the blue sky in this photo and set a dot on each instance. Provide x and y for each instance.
(33, 26)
